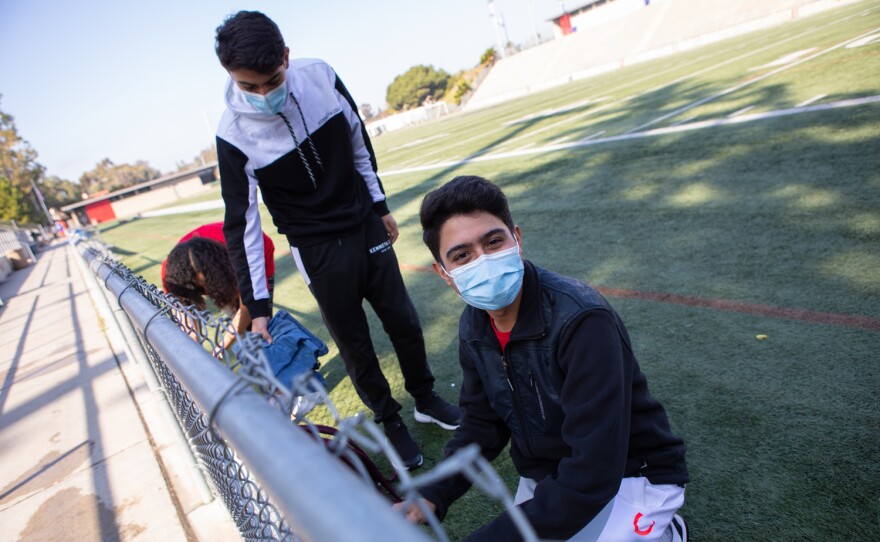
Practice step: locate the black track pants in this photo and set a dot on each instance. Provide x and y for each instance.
(341, 273)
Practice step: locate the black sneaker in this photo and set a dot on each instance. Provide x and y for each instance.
(679, 529)
(399, 437)
(435, 410)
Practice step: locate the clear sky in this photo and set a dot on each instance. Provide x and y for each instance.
(93, 79)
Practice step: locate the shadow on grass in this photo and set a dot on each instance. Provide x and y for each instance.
(780, 212)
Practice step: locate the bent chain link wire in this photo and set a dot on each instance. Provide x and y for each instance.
(251, 509)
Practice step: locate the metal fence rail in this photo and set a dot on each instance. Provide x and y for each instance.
(276, 480)
(13, 238)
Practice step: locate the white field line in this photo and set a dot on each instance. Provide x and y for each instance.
(457, 142)
(747, 54)
(626, 98)
(592, 137)
(729, 61)
(812, 100)
(783, 60)
(673, 82)
(650, 133)
(560, 140)
(866, 41)
(559, 123)
(809, 30)
(683, 121)
(483, 134)
(549, 112)
(750, 82)
(529, 146)
(423, 140)
(721, 53)
(741, 111)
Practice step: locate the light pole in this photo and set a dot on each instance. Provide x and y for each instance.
(497, 23)
(535, 22)
(39, 197)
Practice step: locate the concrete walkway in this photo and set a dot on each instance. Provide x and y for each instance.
(76, 461)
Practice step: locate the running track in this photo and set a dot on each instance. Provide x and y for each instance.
(800, 315)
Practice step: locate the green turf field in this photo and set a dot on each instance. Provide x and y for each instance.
(703, 236)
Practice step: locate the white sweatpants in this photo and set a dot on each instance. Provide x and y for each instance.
(639, 512)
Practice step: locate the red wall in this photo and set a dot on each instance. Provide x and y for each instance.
(100, 211)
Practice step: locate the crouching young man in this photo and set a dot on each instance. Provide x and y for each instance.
(548, 366)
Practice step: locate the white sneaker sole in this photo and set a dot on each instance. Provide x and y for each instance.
(424, 418)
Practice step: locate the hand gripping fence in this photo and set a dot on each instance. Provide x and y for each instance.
(278, 481)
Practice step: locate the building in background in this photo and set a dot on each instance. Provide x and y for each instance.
(142, 197)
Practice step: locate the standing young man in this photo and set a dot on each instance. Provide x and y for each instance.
(291, 128)
(548, 366)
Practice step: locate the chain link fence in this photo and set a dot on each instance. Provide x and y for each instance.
(280, 476)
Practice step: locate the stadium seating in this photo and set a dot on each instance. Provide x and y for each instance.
(661, 28)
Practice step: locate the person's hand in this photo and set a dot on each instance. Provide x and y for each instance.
(413, 512)
(260, 325)
(391, 227)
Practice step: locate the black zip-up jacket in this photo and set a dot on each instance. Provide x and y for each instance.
(313, 163)
(568, 394)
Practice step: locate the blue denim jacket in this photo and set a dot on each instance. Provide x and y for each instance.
(294, 349)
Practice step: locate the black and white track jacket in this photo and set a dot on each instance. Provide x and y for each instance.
(313, 163)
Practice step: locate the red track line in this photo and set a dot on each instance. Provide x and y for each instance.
(802, 315)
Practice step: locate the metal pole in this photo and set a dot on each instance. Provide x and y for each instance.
(296, 471)
(42, 202)
(497, 24)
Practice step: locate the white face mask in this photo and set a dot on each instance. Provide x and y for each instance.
(270, 103)
(492, 281)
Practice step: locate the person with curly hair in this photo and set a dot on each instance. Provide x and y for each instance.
(214, 230)
(199, 266)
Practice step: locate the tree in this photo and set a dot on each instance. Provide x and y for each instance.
(411, 88)
(108, 176)
(206, 156)
(11, 199)
(462, 88)
(58, 192)
(19, 167)
(488, 56)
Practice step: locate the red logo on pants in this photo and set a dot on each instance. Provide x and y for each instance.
(641, 532)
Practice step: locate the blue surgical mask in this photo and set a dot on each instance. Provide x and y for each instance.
(269, 104)
(492, 281)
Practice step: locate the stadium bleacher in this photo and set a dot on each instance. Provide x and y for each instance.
(658, 29)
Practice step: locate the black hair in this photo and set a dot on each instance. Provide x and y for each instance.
(206, 256)
(250, 40)
(463, 195)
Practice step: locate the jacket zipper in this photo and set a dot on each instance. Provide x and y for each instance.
(538, 393)
(506, 372)
(517, 407)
